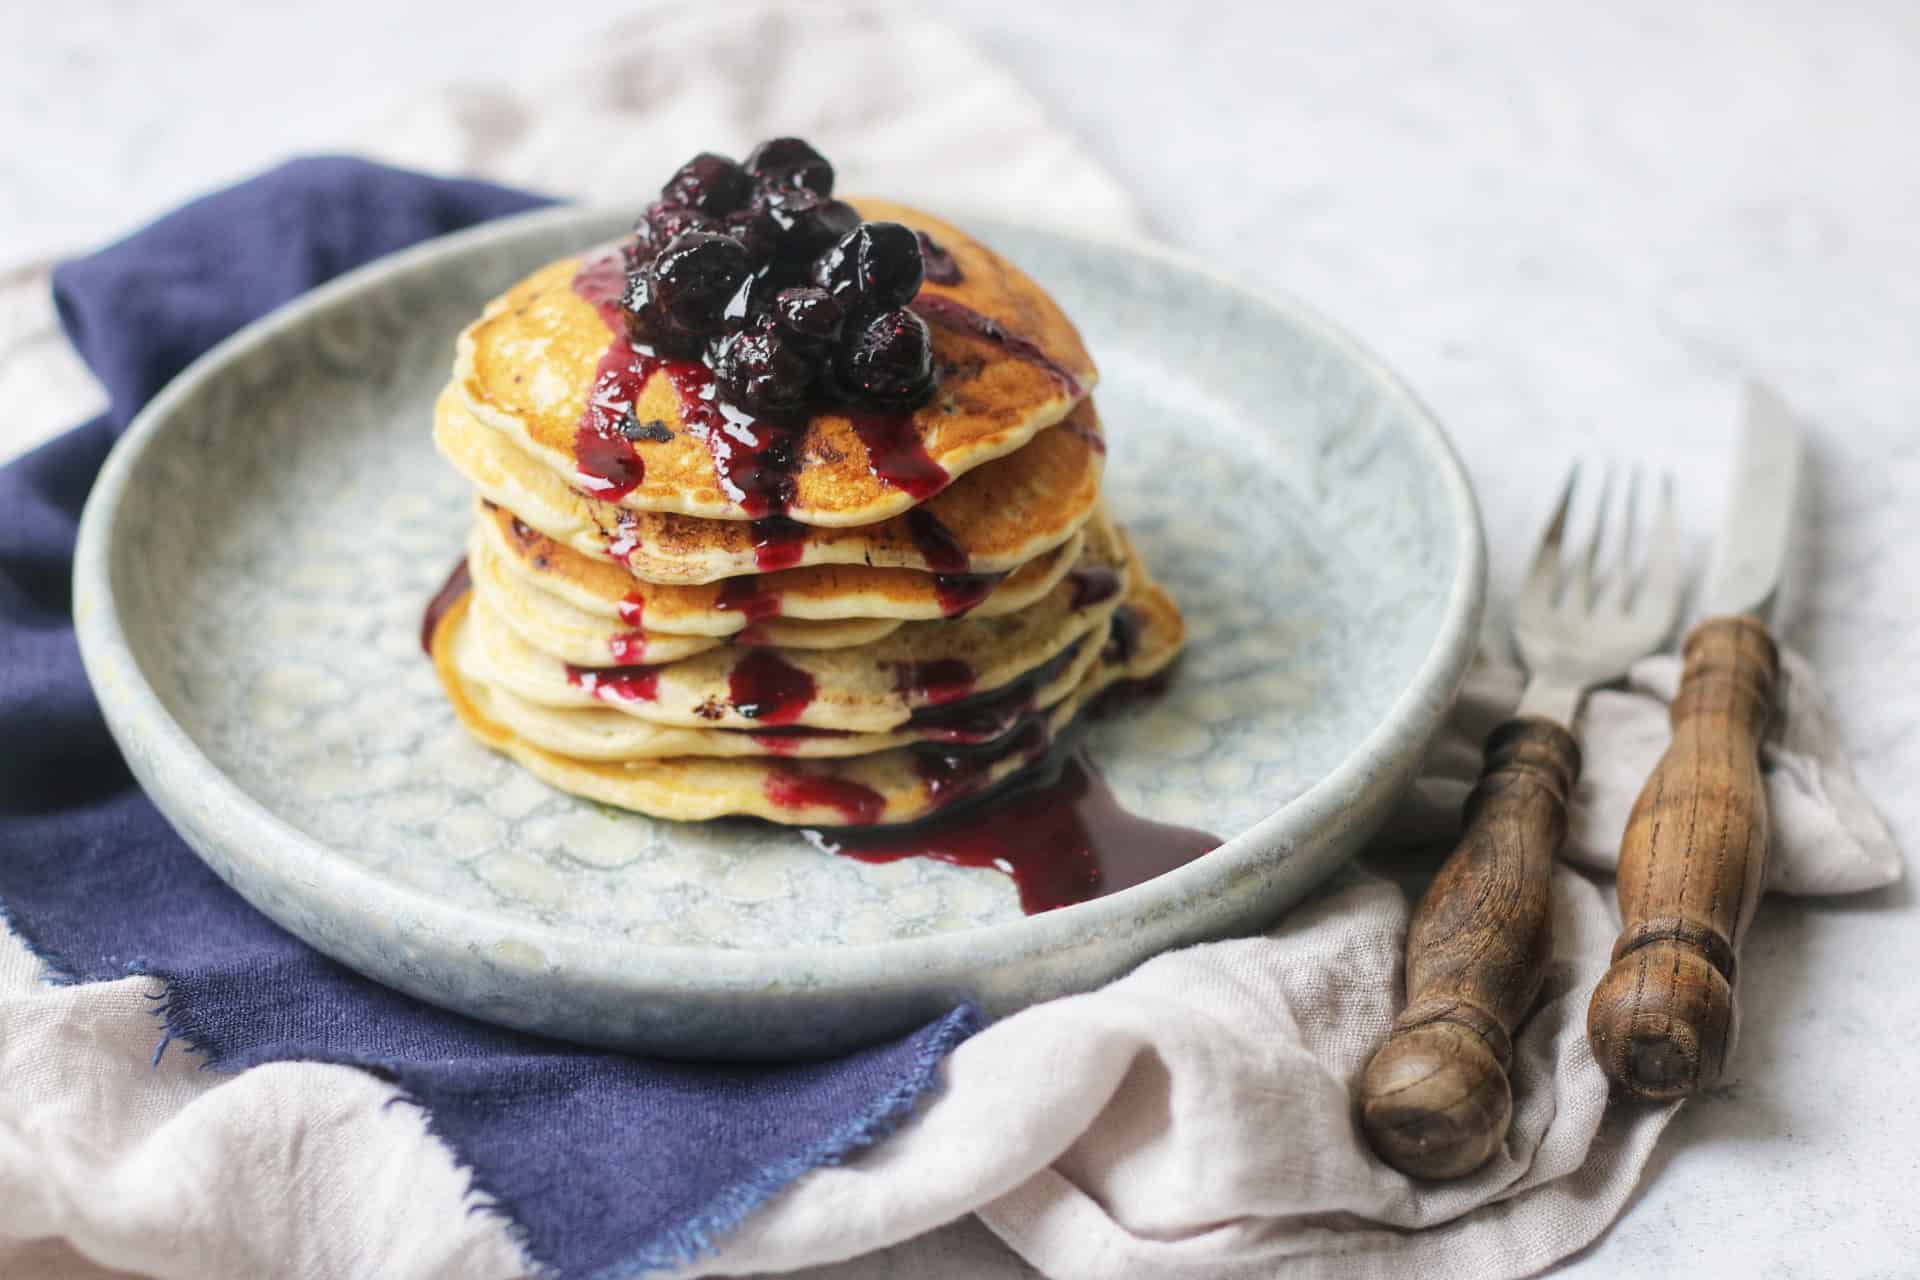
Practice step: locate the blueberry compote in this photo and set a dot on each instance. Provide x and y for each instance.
(764, 301)
(1056, 828)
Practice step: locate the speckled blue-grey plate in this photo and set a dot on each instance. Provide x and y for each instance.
(255, 556)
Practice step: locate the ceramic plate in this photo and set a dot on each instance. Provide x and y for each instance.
(255, 557)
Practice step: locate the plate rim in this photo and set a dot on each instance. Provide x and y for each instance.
(273, 847)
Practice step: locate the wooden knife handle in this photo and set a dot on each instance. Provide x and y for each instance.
(1435, 1100)
(1691, 866)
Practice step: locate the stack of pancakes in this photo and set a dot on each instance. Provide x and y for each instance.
(879, 616)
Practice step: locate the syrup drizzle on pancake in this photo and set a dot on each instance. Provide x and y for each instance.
(937, 681)
(958, 593)
(857, 803)
(957, 589)
(969, 719)
(895, 454)
(953, 315)
(752, 601)
(1093, 584)
(623, 684)
(939, 264)
(766, 688)
(941, 550)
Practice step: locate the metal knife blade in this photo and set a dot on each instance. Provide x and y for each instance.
(1750, 553)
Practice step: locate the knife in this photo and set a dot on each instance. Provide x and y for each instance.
(1693, 858)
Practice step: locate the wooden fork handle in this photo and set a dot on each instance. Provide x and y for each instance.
(1691, 866)
(1435, 1101)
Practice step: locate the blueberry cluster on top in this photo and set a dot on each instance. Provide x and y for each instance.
(783, 290)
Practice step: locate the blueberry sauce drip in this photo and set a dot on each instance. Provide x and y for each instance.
(934, 683)
(605, 461)
(1087, 433)
(936, 543)
(953, 773)
(1093, 584)
(765, 687)
(1058, 831)
(748, 598)
(949, 314)
(457, 584)
(632, 608)
(629, 647)
(778, 543)
(859, 804)
(896, 455)
(754, 458)
(606, 466)
(622, 684)
(755, 603)
(1123, 641)
(957, 589)
(960, 593)
(600, 281)
(939, 264)
(988, 716)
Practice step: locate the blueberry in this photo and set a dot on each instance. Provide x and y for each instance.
(809, 313)
(756, 230)
(876, 263)
(764, 371)
(804, 223)
(714, 185)
(636, 303)
(790, 162)
(753, 299)
(694, 278)
(664, 221)
(888, 360)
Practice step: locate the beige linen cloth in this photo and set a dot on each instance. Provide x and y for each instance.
(1193, 1119)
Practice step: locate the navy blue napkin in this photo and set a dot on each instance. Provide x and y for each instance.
(606, 1165)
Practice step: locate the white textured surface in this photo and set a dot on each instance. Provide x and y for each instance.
(1571, 229)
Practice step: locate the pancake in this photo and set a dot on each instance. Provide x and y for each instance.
(872, 688)
(998, 516)
(551, 625)
(814, 593)
(600, 733)
(885, 787)
(528, 366)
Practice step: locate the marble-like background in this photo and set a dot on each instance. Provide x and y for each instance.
(1574, 228)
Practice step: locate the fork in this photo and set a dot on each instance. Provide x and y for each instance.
(1435, 1101)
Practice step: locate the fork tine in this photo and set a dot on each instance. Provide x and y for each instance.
(1544, 573)
(1661, 585)
(1584, 577)
(1626, 579)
